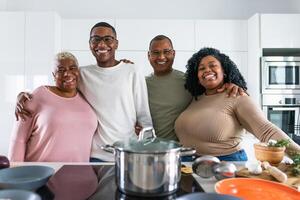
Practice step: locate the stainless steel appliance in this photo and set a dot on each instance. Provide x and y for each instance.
(148, 166)
(283, 111)
(280, 75)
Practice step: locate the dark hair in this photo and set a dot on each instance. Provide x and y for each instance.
(233, 74)
(160, 37)
(104, 24)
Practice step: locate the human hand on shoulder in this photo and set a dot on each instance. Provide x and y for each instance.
(20, 110)
(232, 90)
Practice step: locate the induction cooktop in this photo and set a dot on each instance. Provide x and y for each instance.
(80, 182)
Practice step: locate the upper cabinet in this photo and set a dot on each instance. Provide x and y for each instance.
(226, 35)
(136, 34)
(12, 53)
(42, 42)
(12, 41)
(76, 33)
(280, 30)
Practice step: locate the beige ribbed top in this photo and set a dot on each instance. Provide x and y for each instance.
(214, 124)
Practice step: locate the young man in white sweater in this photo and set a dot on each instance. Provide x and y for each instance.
(116, 90)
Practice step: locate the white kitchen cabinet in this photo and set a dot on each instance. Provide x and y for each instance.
(225, 35)
(12, 70)
(42, 42)
(254, 54)
(76, 32)
(29, 42)
(240, 59)
(136, 34)
(280, 30)
(181, 60)
(84, 57)
(139, 58)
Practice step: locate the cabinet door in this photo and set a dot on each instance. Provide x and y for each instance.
(42, 42)
(12, 71)
(225, 35)
(280, 30)
(76, 33)
(136, 34)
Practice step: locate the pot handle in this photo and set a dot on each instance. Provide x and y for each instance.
(108, 148)
(184, 151)
(147, 133)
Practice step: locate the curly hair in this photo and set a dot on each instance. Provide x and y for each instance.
(233, 75)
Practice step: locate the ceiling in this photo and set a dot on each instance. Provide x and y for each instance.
(155, 9)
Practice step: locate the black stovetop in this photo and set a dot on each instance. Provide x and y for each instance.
(80, 182)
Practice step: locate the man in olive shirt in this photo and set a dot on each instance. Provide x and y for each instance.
(166, 92)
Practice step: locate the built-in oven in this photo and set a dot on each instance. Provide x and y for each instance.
(283, 111)
(280, 75)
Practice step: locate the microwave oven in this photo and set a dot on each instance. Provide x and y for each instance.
(280, 75)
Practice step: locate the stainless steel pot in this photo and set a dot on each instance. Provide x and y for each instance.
(148, 166)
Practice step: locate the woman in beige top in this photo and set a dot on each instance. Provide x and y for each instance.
(213, 123)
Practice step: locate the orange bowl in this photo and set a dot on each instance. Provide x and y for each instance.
(273, 155)
(254, 189)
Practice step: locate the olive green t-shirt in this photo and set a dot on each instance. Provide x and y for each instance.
(167, 99)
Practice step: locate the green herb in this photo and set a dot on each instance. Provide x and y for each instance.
(296, 158)
(296, 164)
(280, 143)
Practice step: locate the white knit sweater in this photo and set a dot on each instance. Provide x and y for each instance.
(119, 97)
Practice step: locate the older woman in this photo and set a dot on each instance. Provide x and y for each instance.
(213, 123)
(62, 124)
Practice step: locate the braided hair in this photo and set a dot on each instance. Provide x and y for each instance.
(233, 74)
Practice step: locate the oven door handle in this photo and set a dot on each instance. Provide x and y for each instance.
(285, 109)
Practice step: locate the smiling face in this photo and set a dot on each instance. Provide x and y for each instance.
(103, 44)
(161, 56)
(210, 74)
(66, 75)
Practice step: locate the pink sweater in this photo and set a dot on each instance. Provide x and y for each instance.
(60, 130)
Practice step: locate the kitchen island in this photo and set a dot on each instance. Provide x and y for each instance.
(95, 181)
(206, 183)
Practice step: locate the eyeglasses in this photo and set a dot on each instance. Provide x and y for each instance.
(166, 52)
(95, 40)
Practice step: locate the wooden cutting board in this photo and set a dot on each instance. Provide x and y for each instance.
(293, 181)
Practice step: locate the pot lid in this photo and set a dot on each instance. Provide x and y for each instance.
(147, 142)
